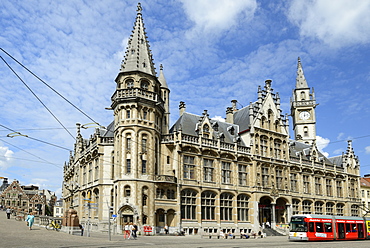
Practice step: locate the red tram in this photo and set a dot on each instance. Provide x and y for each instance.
(313, 227)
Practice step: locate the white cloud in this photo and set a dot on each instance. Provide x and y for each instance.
(340, 23)
(218, 118)
(5, 157)
(216, 16)
(367, 150)
(322, 143)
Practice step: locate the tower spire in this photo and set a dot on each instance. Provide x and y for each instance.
(138, 55)
(301, 82)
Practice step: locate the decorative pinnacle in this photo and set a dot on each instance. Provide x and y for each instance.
(139, 8)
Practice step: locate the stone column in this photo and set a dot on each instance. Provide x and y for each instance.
(273, 215)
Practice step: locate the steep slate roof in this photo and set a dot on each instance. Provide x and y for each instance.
(188, 123)
(241, 118)
(138, 55)
(297, 148)
(109, 131)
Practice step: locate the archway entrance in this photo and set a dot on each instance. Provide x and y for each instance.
(127, 215)
(264, 208)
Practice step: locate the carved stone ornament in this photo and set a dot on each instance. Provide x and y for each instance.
(274, 192)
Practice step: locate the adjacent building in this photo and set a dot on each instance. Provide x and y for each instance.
(27, 198)
(202, 175)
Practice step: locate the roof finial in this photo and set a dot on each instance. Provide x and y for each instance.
(139, 8)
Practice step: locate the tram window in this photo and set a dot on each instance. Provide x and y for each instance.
(348, 227)
(311, 227)
(328, 227)
(319, 227)
(354, 228)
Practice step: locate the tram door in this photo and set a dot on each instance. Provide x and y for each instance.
(341, 231)
(360, 228)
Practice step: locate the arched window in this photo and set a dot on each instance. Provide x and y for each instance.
(188, 204)
(305, 131)
(145, 196)
(329, 208)
(208, 200)
(318, 207)
(295, 206)
(127, 191)
(303, 96)
(144, 85)
(340, 209)
(242, 204)
(226, 206)
(306, 206)
(129, 83)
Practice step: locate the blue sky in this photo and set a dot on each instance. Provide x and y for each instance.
(212, 51)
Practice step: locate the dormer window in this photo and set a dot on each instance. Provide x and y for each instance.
(206, 128)
(231, 130)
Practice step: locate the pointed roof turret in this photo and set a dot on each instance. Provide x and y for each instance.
(161, 78)
(138, 56)
(301, 82)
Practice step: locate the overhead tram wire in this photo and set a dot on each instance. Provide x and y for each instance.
(26, 136)
(33, 74)
(32, 154)
(37, 98)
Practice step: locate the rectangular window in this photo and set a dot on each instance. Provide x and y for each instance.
(339, 189)
(306, 184)
(208, 170)
(226, 172)
(143, 145)
(143, 166)
(128, 114)
(128, 166)
(293, 182)
(242, 173)
(189, 167)
(265, 176)
(145, 115)
(279, 178)
(128, 144)
(318, 186)
(329, 190)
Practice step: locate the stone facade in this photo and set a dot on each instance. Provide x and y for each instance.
(202, 175)
(27, 199)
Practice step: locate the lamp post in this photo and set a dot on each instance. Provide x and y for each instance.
(72, 188)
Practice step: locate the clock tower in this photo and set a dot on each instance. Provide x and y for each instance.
(302, 109)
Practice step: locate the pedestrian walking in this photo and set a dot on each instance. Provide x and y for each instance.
(30, 219)
(8, 212)
(134, 231)
(126, 231)
(82, 229)
(166, 229)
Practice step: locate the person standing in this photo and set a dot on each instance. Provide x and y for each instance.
(30, 219)
(166, 229)
(8, 212)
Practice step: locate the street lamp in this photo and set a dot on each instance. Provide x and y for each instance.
(72, 188)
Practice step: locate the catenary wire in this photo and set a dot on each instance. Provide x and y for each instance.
(33, 74)
(26, 136)
(34, 94)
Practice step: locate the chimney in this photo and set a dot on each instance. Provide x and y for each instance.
(230, 115)
(182, 108)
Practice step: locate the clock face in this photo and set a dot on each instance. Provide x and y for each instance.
(304, 115)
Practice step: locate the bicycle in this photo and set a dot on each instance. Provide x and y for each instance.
(19, 218)
(53, 225)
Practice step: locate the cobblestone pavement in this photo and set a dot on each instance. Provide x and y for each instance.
(16, 234)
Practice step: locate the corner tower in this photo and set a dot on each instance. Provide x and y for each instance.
(139, 112)
(303, 104)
